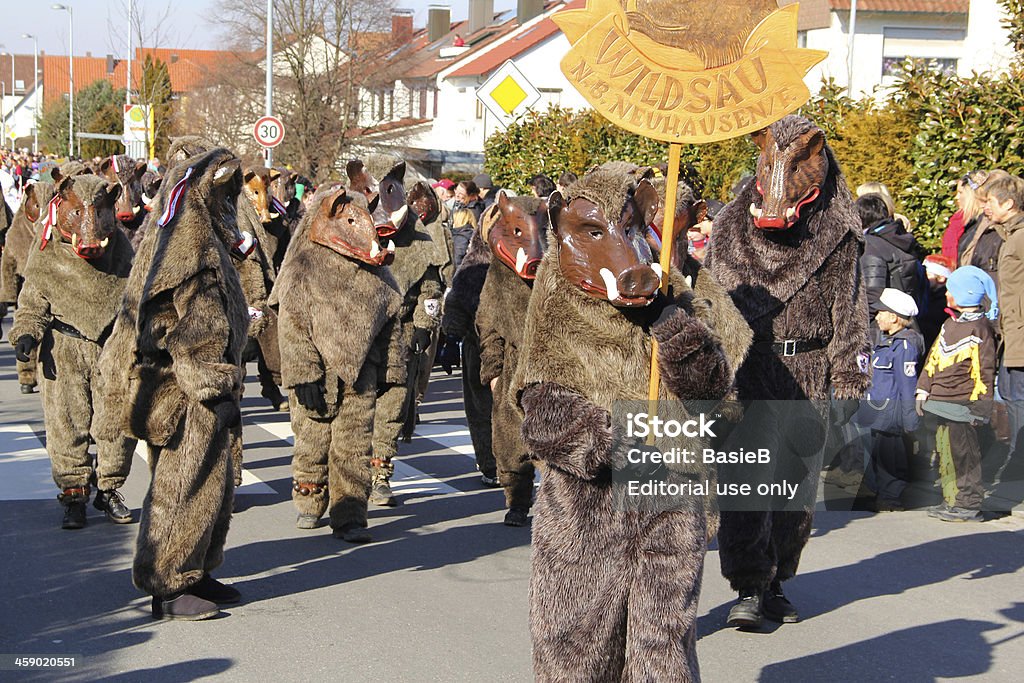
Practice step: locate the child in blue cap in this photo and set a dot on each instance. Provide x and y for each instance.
(957, 385)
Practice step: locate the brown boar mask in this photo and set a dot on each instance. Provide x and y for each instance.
(344, 226)
(607, 256)
(391, 211)
(789, 177)
(282, 187)
(257, 183)
(424, 202)
(128, 174)
(33, 207)
(518, 236)
(82, 213)
(689, 212)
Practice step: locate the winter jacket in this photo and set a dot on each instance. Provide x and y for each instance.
(983, 251)
(952, 236)
(892, 258)
(1011, 291)
(961, 366)
(889, 406)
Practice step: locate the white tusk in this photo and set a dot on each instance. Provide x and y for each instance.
(755, 212)
(146, 199)
(273, 215)
(689, 281)
(610, 284)
(656, 267)
(390, 246)
(374, 249)
(398, 217)
(520, 260)
(74, 241)
(104, 242)
(790, 212)
(136, 209)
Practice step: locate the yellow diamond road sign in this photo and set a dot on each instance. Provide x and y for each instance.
(507, 94)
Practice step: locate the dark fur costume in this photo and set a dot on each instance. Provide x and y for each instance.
(172, 368)
(460, 309)
(501, 315)
(337, 329)
(613, 594)
(419, 257)
(14, 259)
(802, 283)
(78, 295)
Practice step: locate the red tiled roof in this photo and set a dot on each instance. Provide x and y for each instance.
(492, 59)
(934, 6)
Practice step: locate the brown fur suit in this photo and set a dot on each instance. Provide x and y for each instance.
(15, 258)
(419, 257)
(600, 574)
(460, 310)
(801, 283)
(172, 373)
(337, 330)
(65, 290)
(504, 300)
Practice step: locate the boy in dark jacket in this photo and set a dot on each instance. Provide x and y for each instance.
(957, 384)
(890, 402)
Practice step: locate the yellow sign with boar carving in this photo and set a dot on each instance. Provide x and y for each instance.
(685, 71)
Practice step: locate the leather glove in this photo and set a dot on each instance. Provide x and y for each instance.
(451, 354)
(311, 397)
(24, 347)
(420, 339)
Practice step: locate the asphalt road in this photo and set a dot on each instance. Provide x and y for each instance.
(441, 594)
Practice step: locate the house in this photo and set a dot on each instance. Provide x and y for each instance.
(18, 103)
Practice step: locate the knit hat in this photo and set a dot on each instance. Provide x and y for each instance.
(483, 181)
(939, 265)
(900, 303)
(969, 285)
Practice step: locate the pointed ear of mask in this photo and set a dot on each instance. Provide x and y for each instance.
(556, 205)
(105, 165)
(504, 203)
(397, 173)
(226, 171)
(113, 191)
(814, 142)
(64, 187)
(372, 205)
(274, 174)
(338, 204)
(55, 174)
(646, 199)
(249, 175)
(760, 138)
(700, 211)
(354, 169)
(140, 170)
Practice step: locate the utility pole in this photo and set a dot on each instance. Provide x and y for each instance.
(35, 92)
(131, 28)
(270, 74)
(849, 48)
(71, 76)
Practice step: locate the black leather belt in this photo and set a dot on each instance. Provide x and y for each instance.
(789, 347)
(64, 328)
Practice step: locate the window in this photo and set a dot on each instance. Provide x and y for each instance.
(940, 48)
(891, 65)
(423, 104)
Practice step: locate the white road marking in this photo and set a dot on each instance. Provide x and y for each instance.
(452, 437)
(251, 484)
(406, 479)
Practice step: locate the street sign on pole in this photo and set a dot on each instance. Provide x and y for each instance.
(507, 94)
(268, 131)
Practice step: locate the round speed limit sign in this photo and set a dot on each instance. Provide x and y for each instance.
(269, 131)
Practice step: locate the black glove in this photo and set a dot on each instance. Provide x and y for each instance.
(227, 411)
(24, 347)
(311, 397)
(451, 354)
(420, 339)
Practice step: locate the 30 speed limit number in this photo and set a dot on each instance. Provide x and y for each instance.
(269, 131)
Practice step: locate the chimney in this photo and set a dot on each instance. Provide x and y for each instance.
(481, 14)
(110, 64)
(401, 27)
(528, 9)
(89, 55)
(439, 22)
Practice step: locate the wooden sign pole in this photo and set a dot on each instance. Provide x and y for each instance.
(667, 239)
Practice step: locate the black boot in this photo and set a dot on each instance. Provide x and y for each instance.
(517, 516)
(28, 388)
(184, 607)
(112, 503)
(746, 613)
(353, 533)
(74, 501)
(777, 607)
(212, 590)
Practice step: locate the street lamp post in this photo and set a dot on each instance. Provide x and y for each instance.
(35, 91)
(71, 76)
(128, 88)
(270, 73)
(3, 96)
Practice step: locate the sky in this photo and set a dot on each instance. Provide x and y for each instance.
(191, 23)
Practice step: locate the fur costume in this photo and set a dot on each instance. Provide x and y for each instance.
(504, 300)
(460, 310)
(15, 257)
(801, 283)
(68, 305)
(600, 574)
(419, 257)
(337, 330)
(172, 368)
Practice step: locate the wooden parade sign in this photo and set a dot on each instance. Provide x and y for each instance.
(687, 71)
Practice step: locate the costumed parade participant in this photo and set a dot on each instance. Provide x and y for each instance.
(76, 273)
(786, 249)
(172, 374)
(593, 315)
(340, 342)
